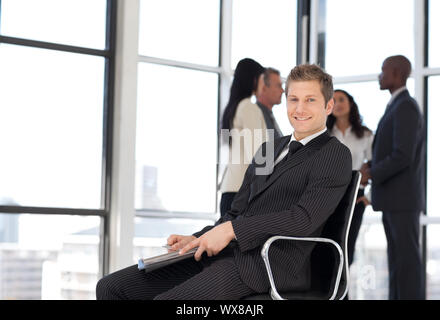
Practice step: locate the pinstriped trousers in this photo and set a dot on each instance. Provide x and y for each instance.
(210, 279)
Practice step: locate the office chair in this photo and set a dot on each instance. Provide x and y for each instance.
(329, 261)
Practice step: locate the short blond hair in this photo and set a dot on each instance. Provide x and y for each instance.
(310, 72)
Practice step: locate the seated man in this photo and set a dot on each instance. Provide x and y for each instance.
(304, 185)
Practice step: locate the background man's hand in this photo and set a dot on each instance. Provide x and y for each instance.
(213, 241)
(365, 171)
(364, 200)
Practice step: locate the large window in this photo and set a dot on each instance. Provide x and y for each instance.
(359, 36)
(369, 273)
(353, 50)
(265, 31)
(51, 127)
(49, 256)
(176, 139)
(434, 33)
(433, 263)
(79, 23)
(177, 119)
(433, 207)
(56, 62)
(432, 254)
(181, 66)
(180, 30)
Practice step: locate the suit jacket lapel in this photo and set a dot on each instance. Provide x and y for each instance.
(265, 181)
(259, 180)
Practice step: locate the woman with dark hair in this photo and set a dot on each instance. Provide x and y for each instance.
(345, 123)
(246, 120)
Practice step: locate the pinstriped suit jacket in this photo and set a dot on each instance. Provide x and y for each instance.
(295, 200)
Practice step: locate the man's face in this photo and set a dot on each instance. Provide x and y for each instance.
(275, 90)
(387, 76)
(306, 108)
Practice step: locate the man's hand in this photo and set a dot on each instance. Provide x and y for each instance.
(178, 241)
(213, 241)
(365, 171)
(364, 200)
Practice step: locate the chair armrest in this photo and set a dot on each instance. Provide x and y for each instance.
(265, 255)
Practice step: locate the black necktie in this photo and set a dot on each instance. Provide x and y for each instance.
(294, 146)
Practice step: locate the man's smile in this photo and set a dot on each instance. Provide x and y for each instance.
(302, 118)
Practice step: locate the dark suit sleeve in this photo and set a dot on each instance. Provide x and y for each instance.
(328, 180)
(406, 128)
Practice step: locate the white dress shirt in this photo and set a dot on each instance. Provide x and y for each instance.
(395, 94)
(360, 148)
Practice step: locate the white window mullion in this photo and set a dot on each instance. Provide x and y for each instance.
(419, 23)
(124, 137)
(314, 31)
(226, 52)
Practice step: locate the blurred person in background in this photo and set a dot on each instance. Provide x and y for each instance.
(345, 123)
(269, 92)
(242, 115)
(397, 174)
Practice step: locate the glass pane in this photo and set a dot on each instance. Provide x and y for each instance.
(265, 31)
(176, 143)
(433, 263)
(369, 271)
(48, 256)
(358, 43)
(434, 33)
(370, 99)
(51, 127)
(152, 233)
(73, 22)
(177, 30)
(433, 188)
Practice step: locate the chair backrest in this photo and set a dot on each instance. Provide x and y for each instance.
(325, 261)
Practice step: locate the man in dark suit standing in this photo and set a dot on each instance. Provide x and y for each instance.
(397, 175)
(292, 195)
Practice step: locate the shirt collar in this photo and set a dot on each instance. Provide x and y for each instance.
(396, 93)
(336, 129)
(308, 138)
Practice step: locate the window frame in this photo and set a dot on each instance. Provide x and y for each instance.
(108, 109)
(221, 72)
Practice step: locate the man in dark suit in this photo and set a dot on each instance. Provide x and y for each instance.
(293, 195)
(397, 175)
